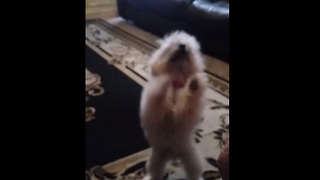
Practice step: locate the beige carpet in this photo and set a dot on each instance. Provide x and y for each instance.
(128, 50)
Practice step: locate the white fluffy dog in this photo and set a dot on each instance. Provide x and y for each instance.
(172, 103)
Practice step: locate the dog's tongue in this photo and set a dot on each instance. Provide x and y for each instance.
(177, 84)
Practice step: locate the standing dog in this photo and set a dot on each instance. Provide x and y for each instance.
(172, 104)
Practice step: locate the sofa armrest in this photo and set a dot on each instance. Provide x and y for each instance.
(211, 10)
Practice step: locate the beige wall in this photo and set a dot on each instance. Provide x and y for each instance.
(101, 9)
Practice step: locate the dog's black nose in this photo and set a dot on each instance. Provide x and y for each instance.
(180, 53)
(182, 47)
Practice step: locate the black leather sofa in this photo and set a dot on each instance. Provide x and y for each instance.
(208, 20)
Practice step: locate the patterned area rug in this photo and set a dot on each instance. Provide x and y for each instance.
(132, 53)
(110, 133)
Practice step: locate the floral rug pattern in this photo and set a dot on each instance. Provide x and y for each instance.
(126, 49)
(93, 89)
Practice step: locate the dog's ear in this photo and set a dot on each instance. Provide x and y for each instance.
(156, 68)
(156, 64)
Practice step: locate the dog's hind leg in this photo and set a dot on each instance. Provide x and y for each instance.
(192, 162)
(155, 166)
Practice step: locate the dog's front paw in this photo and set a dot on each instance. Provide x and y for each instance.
(194, 85)
(197, 83)
(147, 177)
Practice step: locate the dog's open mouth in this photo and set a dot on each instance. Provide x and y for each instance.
(181, 54)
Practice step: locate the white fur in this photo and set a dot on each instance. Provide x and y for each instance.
(169, 117)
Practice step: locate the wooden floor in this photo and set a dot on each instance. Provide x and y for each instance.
(101, 9)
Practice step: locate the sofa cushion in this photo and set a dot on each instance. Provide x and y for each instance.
(210, 10)
(154, 24)
(207, 18)
(141, 5)
(170, 9)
